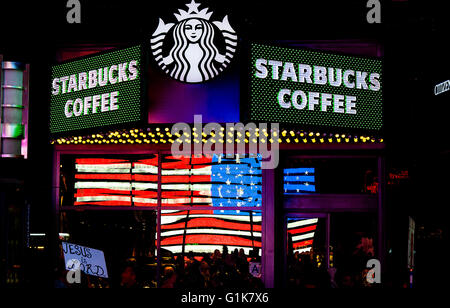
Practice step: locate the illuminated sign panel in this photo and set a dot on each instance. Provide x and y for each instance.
(442, 87)
(193, 55)
(297, 86)
(96, 91)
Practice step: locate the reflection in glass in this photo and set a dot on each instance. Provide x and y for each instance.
(306, 253)
(200, 232)
(219, 181)
(299, 181)
(109, 181)
(301, 233)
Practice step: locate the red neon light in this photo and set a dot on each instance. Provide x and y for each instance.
(150, 161)
(143, 204)
(302, 230)
(89, 192)
(302, 244)
(105, 203)
(103, 176)
(145, 193)
(99, 161)
(181, 193)
(145, 178)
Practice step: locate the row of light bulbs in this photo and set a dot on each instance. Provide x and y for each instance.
(162, 136)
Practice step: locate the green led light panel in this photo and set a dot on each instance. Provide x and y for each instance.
(307, 87)
(97, 91)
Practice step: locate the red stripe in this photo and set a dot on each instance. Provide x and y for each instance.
(181, 193)
(201, 160)
(143, 204)
(103, 176)
(85, 192)
(192, 204)
(105, 203)
(150, 161)
(303, 230)
(146, 178)
(177, 165)
(302, 244)
(212, 222)
(145, 193)
(98, 161)
(209, 239)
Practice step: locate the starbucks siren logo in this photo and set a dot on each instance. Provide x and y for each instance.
(194, 56)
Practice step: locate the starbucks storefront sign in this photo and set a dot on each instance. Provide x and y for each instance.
(298, 86)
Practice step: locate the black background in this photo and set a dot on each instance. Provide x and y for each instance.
(413, 34)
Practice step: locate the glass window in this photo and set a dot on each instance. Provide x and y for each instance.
(353, 244)
(330, 176)
(299, 181)
(210, 213)
(109, 181)
(210, 248)
(219, 181)
(306, 252)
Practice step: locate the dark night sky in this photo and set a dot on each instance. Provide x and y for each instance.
(412, 33)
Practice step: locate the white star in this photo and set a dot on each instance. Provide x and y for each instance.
(228, 182)
(193, 7)
(239, 192)
(228, 169)
(306, 184)
(306, 172)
